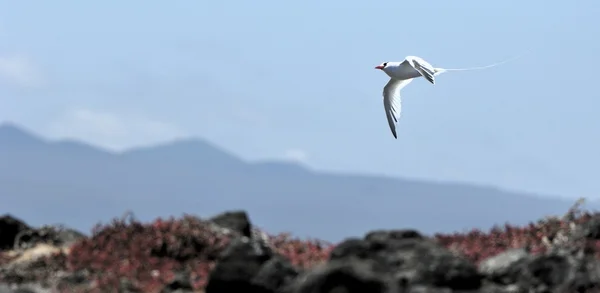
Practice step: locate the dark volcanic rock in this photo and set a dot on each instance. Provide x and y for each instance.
(547, 271)
(505, 268)
(275, 274)
(246, 265)
(10, 227)
(351, 247)
(236, 268)
(55, 235)
(385, 235)
(591, 229)
(15, 233)
(550, 272)
(235, 220)
(348, 276)
(410, 259)
(560, 273)
(584, 276)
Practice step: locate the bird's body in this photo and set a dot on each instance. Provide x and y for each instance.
(401, 74)
(409, 68)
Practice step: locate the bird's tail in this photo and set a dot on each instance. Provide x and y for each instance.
(442, 70)
(438, 71)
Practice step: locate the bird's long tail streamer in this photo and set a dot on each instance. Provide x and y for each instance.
(486, 66)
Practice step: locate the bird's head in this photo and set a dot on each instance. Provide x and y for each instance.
(382, 66)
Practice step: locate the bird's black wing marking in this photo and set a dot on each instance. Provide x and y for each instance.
(424, 71)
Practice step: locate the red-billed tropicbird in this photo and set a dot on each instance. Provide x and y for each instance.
(402, 73)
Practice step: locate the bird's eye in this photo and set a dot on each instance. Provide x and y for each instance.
(384, 64)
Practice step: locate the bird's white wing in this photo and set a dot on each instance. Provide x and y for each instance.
(392, 101)
(423, 67)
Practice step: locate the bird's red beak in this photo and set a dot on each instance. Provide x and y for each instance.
(378, 67)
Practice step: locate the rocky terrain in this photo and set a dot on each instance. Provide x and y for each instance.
(227, 254)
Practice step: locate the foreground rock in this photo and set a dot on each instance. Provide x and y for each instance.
(383, 261)
(16, 235)
(10, 228)
(248, 264)
(26, 251)
(404, 261)
(390, 261)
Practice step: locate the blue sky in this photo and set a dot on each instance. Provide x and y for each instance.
(276, 79)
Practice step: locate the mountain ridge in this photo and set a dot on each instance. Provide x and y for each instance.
(75, 182)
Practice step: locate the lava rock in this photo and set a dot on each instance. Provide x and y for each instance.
(236, 268)
(546, 273)
(517, 271)
(348, 276)
(504, 268)
(275, 274)
(235, 220)
(584, 276)
(412, 259)
(10, 227)
(55, 235)
(351, 247)
(384, 235)
(590, 229)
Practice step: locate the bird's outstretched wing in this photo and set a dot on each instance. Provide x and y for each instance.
(423, 67)
(392, 101)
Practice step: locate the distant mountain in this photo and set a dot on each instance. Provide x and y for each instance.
(77, 184)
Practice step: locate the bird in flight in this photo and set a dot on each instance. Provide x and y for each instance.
(402, 73)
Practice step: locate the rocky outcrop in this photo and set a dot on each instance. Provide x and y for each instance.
(393, 264)
(382, 261)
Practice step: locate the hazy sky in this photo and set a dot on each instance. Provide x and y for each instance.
(274, 79)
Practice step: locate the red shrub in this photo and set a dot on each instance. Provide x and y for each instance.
(148, 254)
(303, 254)
(477, 245)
